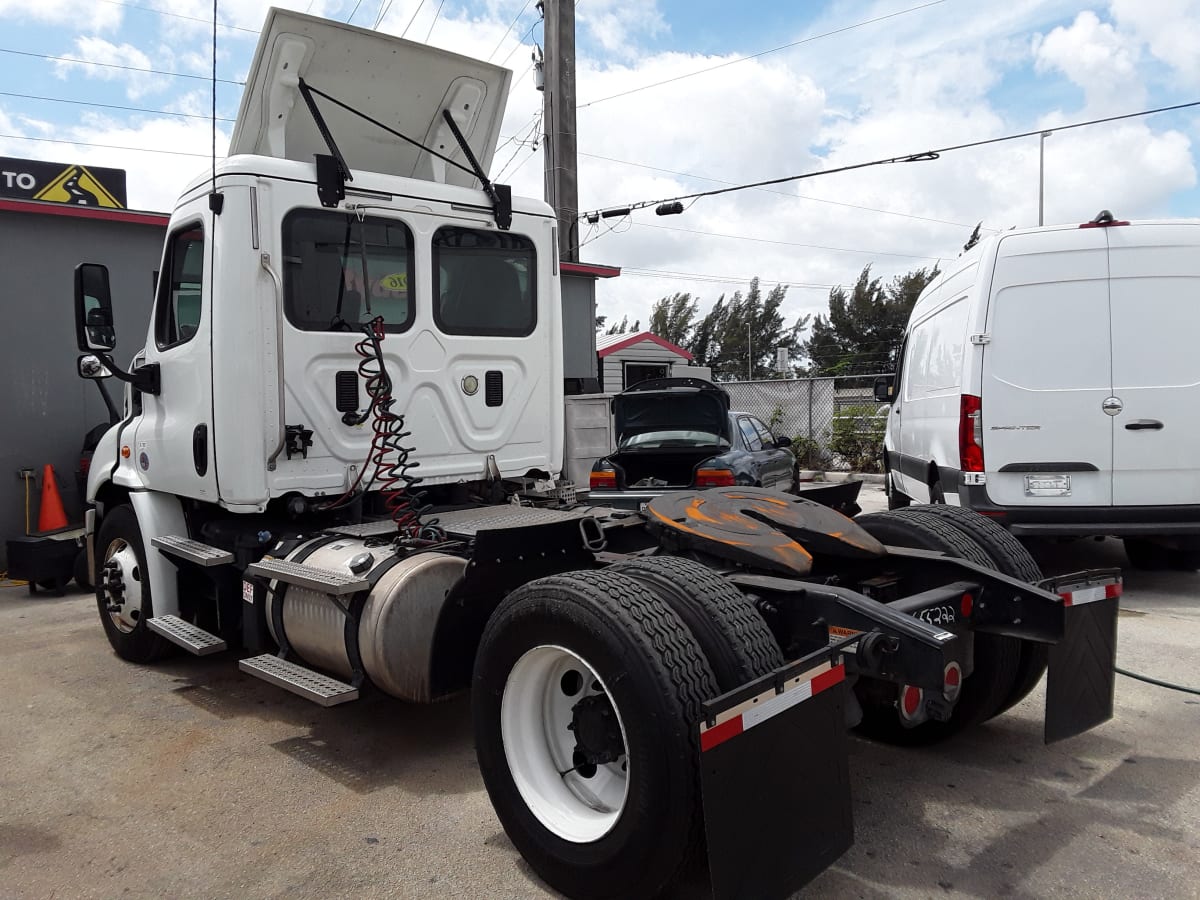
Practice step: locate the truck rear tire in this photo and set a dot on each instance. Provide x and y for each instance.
(996, 658)
(600, 794)
(732, 634)
(1009, 557)
(125, 586)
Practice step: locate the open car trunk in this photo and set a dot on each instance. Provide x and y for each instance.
(661, 468)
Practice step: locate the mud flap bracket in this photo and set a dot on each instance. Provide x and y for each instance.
(775, 779)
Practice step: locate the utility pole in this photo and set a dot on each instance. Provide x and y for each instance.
(558, 117)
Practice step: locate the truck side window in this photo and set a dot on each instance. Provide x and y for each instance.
(180, 296)
(483, 283)
(324, 285)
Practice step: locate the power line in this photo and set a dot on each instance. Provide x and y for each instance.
(510, 27)
(521, 42)
(890, 212)
(638, 271)
(758, 240)
(88, 62)
(139, 109)
(416, 12)
(436, 13)
(924, 156)
(815, 37)
(21, 137)
(353, 11)
(173, 15)
(383, 11)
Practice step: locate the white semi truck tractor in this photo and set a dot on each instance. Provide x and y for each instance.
(346, 303)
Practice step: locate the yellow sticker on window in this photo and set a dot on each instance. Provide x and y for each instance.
(398, 281)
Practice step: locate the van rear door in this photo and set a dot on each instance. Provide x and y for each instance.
(1047, 371)
(1155, 299)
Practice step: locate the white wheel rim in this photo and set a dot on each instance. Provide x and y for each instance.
(129, 605)
(535, 710)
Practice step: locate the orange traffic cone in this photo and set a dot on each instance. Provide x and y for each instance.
(51, 516)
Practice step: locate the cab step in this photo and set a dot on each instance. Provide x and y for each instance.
(186, 635)
(320, 689)
(326, 581)
(192, 551)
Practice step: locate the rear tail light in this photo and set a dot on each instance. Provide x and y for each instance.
(970, 434)
(85, 465)
(603, 480)
(714, 478)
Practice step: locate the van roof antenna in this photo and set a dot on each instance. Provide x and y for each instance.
(216, 202)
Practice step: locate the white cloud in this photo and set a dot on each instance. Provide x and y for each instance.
(1170, 28)
(96, 15)
(618, 25)
(117, 62)
(1097, 58)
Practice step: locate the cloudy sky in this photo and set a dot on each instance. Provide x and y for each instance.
(677, 96)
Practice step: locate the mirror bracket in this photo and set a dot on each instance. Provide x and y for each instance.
(146, 379)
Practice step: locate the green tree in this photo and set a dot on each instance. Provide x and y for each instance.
(862, 332)
(740, 336)
(600, 320)
(672, 318)
(620, 328)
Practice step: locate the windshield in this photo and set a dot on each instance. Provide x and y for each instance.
(658, 440)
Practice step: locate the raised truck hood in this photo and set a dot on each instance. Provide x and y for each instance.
(403, 84)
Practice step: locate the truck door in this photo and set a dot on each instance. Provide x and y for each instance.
(1155, 299)
(1047, 371)
(174, 441)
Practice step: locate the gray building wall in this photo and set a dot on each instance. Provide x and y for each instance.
(46, 407)
(579, 325)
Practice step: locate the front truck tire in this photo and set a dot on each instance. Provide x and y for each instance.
(997, 658)
(585, 705)
(123, 588)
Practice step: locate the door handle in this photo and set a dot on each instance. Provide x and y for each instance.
(1144, 425)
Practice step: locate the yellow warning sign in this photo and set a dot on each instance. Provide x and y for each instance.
(76, 185)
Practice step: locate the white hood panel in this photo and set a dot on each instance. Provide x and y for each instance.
(402, 84)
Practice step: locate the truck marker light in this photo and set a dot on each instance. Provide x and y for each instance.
(952, 681)
(910, 701)
(769, 704)
(968, 603)
(125, 452)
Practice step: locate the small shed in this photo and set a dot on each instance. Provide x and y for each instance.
(626, 359)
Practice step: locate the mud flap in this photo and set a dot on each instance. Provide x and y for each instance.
(775, 780)
(1082, 669)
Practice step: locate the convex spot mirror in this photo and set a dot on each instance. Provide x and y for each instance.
(93, 309)
(884, 387)
(92, 368)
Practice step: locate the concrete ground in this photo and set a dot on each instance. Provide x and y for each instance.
(189, 779)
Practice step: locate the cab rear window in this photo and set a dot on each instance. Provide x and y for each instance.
(483, 283)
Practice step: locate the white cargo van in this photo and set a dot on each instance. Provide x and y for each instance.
(1050, 379)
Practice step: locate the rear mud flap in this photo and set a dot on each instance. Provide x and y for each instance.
(775, 780)
(1082, 668)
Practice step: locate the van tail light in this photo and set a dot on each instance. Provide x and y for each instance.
(706, 478)
(603, 479)
(85, 465)
(970, 434)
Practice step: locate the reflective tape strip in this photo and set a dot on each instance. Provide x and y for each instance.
(771, 706)
(1091, 594)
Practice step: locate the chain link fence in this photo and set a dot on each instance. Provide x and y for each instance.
(835, 423)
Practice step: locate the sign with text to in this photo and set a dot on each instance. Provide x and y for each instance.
(72, 184)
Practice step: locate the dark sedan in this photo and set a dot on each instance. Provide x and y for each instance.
(679, 433)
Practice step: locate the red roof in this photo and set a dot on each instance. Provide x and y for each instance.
(622, 341)
(85, 212)
(596, 271)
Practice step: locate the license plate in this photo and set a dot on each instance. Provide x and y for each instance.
(1047, 485)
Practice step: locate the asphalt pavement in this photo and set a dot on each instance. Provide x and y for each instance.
(190, 779)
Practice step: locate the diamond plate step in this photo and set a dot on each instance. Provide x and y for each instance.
(326, 581)
(192, 551)
(320, 689)
(186, 635)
